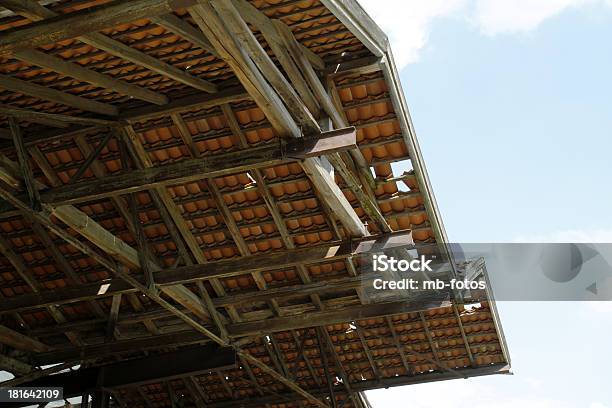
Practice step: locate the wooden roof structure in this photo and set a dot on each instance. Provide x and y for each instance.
(172, 233)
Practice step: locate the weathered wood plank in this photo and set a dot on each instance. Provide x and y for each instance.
(327, 317)
(24, 164)
(14, 366)
(56, 119)
(82, 22)
(195, 169)
(36, 12)
(50, 94)
(185, 30)
(20, 341)
(277, 114)
(87, 75)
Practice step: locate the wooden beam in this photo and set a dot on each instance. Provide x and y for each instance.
(81, 22)
(48, 118)
(246, 39)
(277, 114)
(360, 186)
(186, 103)
(327, 252)
(287, 52)
(14, 366)
(182, 28)
(50, 94)
(278, 377)
(118, 347)
(24, 164)
(93, 155)
(112, 317)
(205, 167)
(257, 18)
(118, 12)
(130, 54)
(118, 249)
(20, 341)
(322, 318)
(360, 386)
(81, 73)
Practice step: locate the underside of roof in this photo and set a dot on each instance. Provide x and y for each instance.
(187, 186)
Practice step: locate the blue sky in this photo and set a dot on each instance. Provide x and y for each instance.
(512, 104)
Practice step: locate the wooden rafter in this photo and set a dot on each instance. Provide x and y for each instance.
(53, 95)
(262, 327)
(52, 119)
(24, 164)
(74, 25)
(185, 30)
(76, 71)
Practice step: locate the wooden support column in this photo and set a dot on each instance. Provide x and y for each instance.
(24, 164)
(362, 186)
(112, 318)
(270, 103)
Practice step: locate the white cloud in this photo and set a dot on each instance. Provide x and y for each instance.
(597, 405)
(408, 22)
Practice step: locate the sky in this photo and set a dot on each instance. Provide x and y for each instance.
(512, 105)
